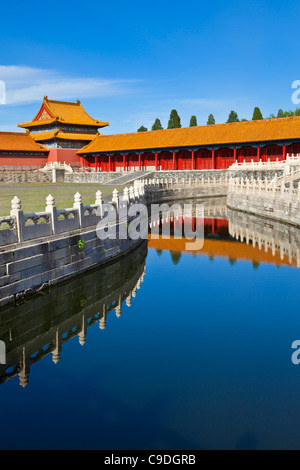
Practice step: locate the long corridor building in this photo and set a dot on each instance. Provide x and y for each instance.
(204, 147)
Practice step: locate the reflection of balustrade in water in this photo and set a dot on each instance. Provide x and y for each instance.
(229, 234)
(70, 309)
(270, 236)
(177, 221)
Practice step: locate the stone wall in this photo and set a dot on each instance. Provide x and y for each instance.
(24, 176)
(262, 198)
(90, 177)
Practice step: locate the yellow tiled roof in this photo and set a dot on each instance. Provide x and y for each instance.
(65, 112)
(233, 133)
(62, 135)
(19, 142)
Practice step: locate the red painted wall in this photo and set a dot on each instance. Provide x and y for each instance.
(69, 156)
(19, 160)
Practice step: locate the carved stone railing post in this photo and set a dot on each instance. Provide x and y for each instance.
(115, 198)
(126, 194)
(51, 209)
(17, 213)
(78, 205)
(99, 203)
(131, 194)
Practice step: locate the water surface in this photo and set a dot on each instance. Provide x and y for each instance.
(163, 350)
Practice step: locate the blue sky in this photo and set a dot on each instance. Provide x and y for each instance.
(131, 62)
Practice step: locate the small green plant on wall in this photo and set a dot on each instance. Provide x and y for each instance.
(81, 244)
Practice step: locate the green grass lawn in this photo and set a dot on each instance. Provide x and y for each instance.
(33, 196)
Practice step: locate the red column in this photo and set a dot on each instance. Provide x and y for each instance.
(109, 162)
(140, 162)
(284, 152)
(213, 162)
(81, 161)
(234, 154)
(156, 161)
(174, 161)
(124, 162)
(193, 159)
(179, 160)
(258, 154)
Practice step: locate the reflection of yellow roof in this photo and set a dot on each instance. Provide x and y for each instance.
(19, 142)
(224, 249)
(266, 130)
(62, 111)
(62, 135)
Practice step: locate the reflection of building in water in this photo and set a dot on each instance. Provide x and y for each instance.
(274, 238)
(228, 235)
(41, 326)
(183, 222)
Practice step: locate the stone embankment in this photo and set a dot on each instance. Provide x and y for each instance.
(265, 199)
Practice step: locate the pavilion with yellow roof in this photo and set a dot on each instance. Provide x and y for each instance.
(60, 124)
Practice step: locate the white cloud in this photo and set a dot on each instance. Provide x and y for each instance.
(27, 84)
